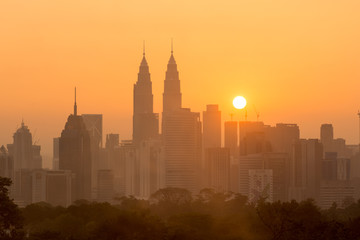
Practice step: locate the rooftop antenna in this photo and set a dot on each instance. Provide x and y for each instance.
(245, 115)
(144, 48)
(75, 107)
(231, 116)
(172, 46)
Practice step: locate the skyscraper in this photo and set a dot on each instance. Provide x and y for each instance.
(75, 154)
(212, 127)
(26, 157)
(231, 137)
(172, 94)
(145, 121)
(307, 169)
(182, 149)
(93, 124)
(327, 136)
(181, 135)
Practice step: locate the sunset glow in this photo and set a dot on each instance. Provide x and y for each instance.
(239, 102)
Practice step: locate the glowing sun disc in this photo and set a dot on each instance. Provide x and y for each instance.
(239, 102)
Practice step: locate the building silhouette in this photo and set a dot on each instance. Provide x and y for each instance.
(211, 127)
(181, 136)
(172, 93)
(94, 125)
(217, 169)
(75, 154)
(306, 173)
(26, 157)
(145, 121)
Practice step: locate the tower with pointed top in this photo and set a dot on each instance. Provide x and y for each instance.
(181, 136)
(145, 121)
(75, 154)
(172, 93)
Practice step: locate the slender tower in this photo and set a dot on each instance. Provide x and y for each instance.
(172, 94)
(145, 122)
(75, 154)
(181, 136)
(75, 106)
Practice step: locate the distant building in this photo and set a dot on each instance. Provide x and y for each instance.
(181, 136)
(335, 192)
(94, 125)
(276, 162)
(327, 137)
(56, 153)
(260, 185)
(151, 167)
(211, 127)
(282, 137)
(231, 137)
(75, 154)
(25, 154)
(145, 121)
(105, 190)
(217, 169)
(26, 157)
(307, 169)
(182, 149)
(246, 127)
(6, 164)
(246, 163)
(59, 187)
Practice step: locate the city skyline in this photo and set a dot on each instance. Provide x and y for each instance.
(314, 66)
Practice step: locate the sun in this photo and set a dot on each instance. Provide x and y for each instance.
(239, 102)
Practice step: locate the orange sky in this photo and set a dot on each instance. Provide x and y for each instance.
(296, 61)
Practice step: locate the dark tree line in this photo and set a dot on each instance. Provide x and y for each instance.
(172, 214)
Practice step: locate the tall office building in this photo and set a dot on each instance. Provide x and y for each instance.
(231, 142)
(306, 170)
(94, 125)
(26, 157)
(145, 121)
(327, 136)
(246, 127)
(25, 154)
(75, 154)
(212, 127)
(217, 169)
(282, 137)
(181, 135)
(182, 149)
(231, 137)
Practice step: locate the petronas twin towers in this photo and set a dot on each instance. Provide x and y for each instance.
(181, 129)
(145, 121)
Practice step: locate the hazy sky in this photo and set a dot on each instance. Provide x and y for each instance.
(297, 61)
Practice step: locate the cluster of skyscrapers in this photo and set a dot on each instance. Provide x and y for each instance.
(253, 159)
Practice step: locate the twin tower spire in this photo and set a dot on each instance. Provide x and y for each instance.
(145, 121)
(171, 94)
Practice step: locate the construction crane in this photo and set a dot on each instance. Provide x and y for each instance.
(257, 113)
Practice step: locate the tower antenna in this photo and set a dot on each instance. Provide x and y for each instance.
(172, 46)
(144, 48)
(75, 106)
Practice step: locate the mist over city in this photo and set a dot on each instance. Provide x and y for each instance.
(179, 120)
